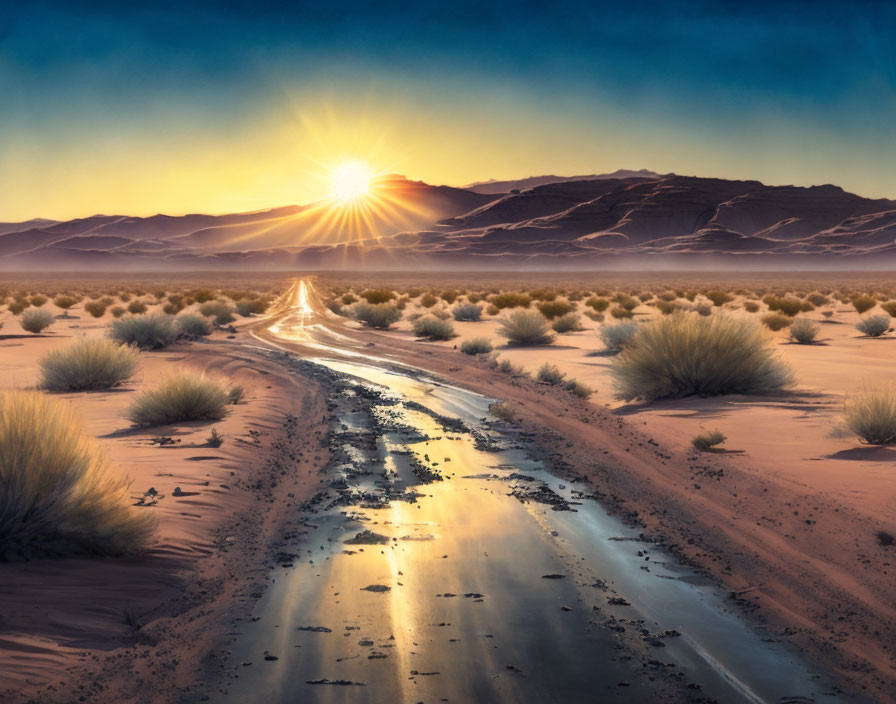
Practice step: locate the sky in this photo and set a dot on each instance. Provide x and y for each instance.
(144, 107)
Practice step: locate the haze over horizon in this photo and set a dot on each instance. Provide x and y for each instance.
(142, 109)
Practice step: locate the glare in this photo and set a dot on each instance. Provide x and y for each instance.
(351, 181)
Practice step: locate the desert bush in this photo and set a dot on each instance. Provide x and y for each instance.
(251, 306)
(874, 325)
(136, 307)
(124, 297)
(60, 496)
(88, 363)
(579, 389)
(599, 304)
(182, 397)
(827, 313)
(510, 300)
(236, 394)
(201, 295)
(335, 306)
(65, 302)
(708, 440)
(215, 439)
(872, 415)
(863, 303)
(476, 345)
(505, 366)
(148, 332)
(620, 313)
(571, 322)
(542, 294)
(618, 335)
(36, 320)
(380, 315)
(555, 309)
(803, 331)
(219, 310)
(626, 302)
(550, 374)
(751, 306)
(449, 296)
(95, 308)
(719, 298)
(775, 321)
(688, 355)
(377, 295)
(817, 299)
(503, 411)
(667, 307)
(17, 307)
(427, 300)
(433, 328)
(594, 315)
(467, 311)
(788, 305)
(117, 311)
(193, 325)
(526, 327)
(890, 308)
(37, 300)
(348, 299)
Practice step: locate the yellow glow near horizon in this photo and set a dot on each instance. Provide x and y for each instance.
(351, 181)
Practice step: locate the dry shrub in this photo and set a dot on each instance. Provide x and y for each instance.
(863, 303)
(219, 310)
(571, 322)
(65, 302)
(599, 304)
(526, 327)
(148, 332)
(708, 440)
(620, 313)
(377, 295)
(182, 397)
(60, 496)
(872, 415)
(469, 312)
(555, 309)
(889, 307)
(618, 335)
(427, 300)
(476, 345)
(194, 325)
(95, 308)
(503, 411)
(803, 331)
(550, 374)
(36, 320)
(775, 321)
(510, 300)
(434, 328)
(719, 298)
(136, 307)
(751, 306)
(874, 325)
(380, 315)
(689, 355)
(87, 363)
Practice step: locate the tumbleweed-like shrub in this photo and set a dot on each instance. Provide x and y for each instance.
(137, 307)
(688, 355)
(510, 300)
(467, 312)
(555, 309)
(803, 331)
(571, 322)
(377, 295)
(874, 325)
(776, 321)
(60, 496)
(219, 310)
(88, 363)
(476, 345)
(65, 302)
(599, 304)
(96, 308)
(617, 335)
(148, 332)
(708, 440)
(194, 325)
(379, 315)
(36, 320)
(182, 397)
(526, 327)
(251, 306)
(434, 328)
(863, 303)
(872, 415)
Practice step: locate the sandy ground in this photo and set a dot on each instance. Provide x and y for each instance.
(786, 519)
(56, 615)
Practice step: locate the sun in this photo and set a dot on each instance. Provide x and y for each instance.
(351, 181)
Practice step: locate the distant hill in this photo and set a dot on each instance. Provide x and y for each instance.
(533, 181)
(587, 222)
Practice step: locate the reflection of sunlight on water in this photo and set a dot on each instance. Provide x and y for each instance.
(297, 303)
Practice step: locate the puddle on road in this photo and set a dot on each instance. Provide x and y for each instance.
(480, 591)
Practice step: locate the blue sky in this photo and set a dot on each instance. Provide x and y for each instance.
(218, 106)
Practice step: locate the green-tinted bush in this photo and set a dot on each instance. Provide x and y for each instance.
(550, 374)
(510, 300)
(219, 310)
(251, 306)
(380, 315)
(599, 304)
(377, 295)
(555, 309)
(803, 331)
(467, 312)
(618, 335)
(874, 325)
(95, 308)
(708, 440)
(571, 322)
(476, 345)
(872, 415)
(194, 325)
